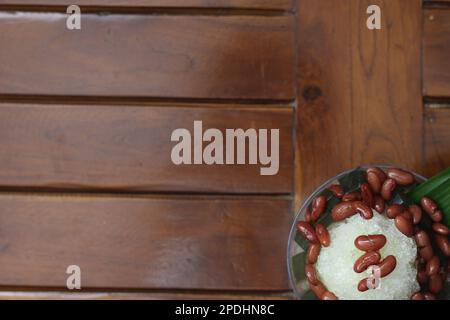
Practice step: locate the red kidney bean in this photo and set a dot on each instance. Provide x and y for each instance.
(346, 209)
(404, 225)
(420, 259)
(318, 289)
(417, 229)
(400, 176)
(394, 210)
(329, 296)
(374, 182)
(387, 266)
(433, 266)
(310, 273)
(428, 205)
(337, 190)
(306, 230)
(435, 283)
(367, 195)
(342, 211)
(379, 172)
(441, 229)
(417, 296)
(437, 216)
(422, 276)
(429, 296)
(308, 215)
(366, 260)
(371, 242)
(318, 207)
(422, 239)
(386, 189)
(416, 213)
(352, 196)
(363, 209)
(313, 253)
(380, 205)
(426, 252)
(362, 285)
(323, 235)
(408, 216)
(443, 244)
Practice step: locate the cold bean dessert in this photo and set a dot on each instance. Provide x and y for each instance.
(363, 238)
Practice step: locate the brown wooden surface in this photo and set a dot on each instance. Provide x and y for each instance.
(359, 90)
(253, 4)
(437, 139)
(359, 101)
(235, 57)
(133, 242)
(436, 52)
(128, 148)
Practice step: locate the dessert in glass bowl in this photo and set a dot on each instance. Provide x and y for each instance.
(371, 233)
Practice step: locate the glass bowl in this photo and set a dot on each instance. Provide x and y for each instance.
(300, 288)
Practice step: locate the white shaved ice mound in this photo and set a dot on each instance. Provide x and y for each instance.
(334, 266)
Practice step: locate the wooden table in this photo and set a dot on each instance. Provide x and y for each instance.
(86, 118)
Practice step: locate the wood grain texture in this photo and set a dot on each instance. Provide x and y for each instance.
(359, 90)
(437, 140)
(170, 295)
(436, 52)
(133, 242)
(241, 4)
(128, 148)
(231, 57)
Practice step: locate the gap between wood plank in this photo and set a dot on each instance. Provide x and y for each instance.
(437, 102)
(147, 291)
(436, 4)
(49, 293)
(107, 100)
(58, 192)
(106, 10)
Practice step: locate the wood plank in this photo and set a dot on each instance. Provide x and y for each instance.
(77, 295)
(436, 50)
(141, 242)
(437, 140)
(230, 57)
(241, 4)
(359, 90)
(128, 148)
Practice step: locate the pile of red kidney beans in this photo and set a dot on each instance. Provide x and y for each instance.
(374, 194)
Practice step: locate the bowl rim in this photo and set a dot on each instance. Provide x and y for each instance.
(305, 203)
